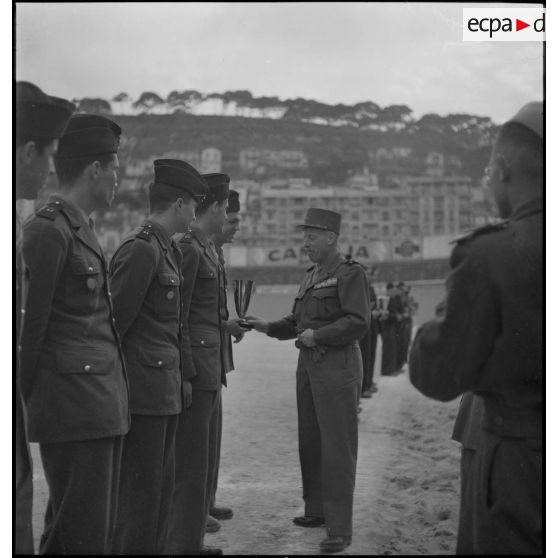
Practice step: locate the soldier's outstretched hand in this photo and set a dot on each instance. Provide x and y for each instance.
(259, 324)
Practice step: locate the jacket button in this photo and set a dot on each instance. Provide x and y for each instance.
(87, 368)
(23, 310)
(160, 363)
(202, 342)
(170, 295)
(90, 268)
(498, 420)
(172, 280)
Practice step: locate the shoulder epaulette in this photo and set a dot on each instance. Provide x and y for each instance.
(50, 210)
(145, 232)
(485, 229)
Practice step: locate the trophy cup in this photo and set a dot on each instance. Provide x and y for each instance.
(243, 290)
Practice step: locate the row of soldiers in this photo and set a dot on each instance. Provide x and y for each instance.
(392, 319)
(120, 364)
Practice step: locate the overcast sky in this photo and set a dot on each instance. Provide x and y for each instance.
(392, 53)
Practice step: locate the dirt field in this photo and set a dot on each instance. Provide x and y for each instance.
(406, 497)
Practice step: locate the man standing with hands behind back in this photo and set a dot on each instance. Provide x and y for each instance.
(331, 312)
(490, 342)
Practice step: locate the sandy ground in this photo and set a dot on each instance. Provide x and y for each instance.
(406, 498)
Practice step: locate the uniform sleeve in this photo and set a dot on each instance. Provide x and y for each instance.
(283, 329)
(354, 296)
(190, 265)
(44, 248)
(449, 353)
(132, 270)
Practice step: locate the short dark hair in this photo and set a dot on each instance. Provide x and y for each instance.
(162, 196)
(69, 170)
(40, 143)
(522, 148)
(207, 202)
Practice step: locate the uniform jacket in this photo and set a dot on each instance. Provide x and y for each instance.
(334, 301)
(490, 340)
(202, 298)
(146, 284)
(226, 338)
(72, 371)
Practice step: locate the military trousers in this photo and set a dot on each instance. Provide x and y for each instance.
(23, 512)
(466, 502)
(83, 480)
(213, 497)
(368, 344)
(146, 485)
(389, 348)
(507, 509)
(328, 389)
(196, 456)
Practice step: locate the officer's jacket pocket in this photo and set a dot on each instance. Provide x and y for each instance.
(84, 266)
(84, 362)
(204, 338)
(158, 360)
(205, 272)
(167, 295)
(168, 279)
(327, 301)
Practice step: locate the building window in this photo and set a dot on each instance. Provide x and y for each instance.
(385, 216)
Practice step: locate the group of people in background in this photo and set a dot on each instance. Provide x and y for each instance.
(392, 319)
(120, 364)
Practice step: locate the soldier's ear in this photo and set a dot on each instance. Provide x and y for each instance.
(26, 153)
(94, 170)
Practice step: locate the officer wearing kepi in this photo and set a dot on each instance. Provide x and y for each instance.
(490, 343)
(146, 282)
(40, 121)
(331, 312)
(72, 369)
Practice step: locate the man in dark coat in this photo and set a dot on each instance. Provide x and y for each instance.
(225, 236)
(330, 314)
(72, 370)
(490, 342)
(146, 282)
(368, 344)
(390, 319)
(40, 121)
(203, 368)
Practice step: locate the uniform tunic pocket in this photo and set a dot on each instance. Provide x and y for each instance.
(167, 293)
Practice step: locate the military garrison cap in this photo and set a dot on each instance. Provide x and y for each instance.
(531, 116)
(323, 219)
(234, 202)
(180, 175)
(38, 115)
(89, 135)
(218, 184)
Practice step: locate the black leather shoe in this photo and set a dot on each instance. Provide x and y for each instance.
(366, 394)
(220, 513)
(210, 551)
(308, 521)
(335, 544)
(212, 525)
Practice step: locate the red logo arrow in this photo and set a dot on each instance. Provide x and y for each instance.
(519, 25)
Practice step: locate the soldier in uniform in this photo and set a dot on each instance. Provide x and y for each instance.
(40, 121)
(225, 236)
(72, 370)
(330, 313)
(490, 342)
(390, 324)
(369, 342)
(146, 280)
(203, 368)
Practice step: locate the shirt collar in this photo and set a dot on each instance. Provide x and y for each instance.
(160, 232)
(74, 212)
